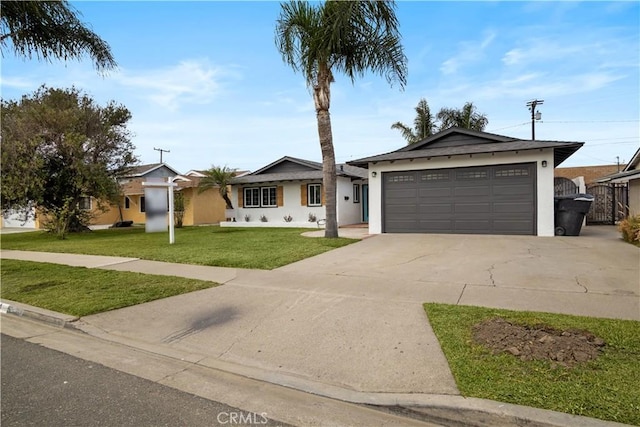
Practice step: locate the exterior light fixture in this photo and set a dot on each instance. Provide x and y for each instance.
(544, 163)
(374, 174)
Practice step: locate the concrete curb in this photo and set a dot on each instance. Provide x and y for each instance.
(450, 410)
(36, 313)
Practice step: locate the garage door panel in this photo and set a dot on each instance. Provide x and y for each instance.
(472, 208)
(498, 199)
(436, 226)
(513, 227)
(467, 191)
(512, 208)
(398, 211)
(511, 190)
(435, 208)
(431, 193)
(471, 226)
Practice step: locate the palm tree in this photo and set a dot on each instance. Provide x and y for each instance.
(219, 177)
(352, 37)
(423, 125)
(467, 117)
(50, 29)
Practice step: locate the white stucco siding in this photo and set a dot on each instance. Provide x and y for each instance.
(348, 212)
(634, 196)
(275, 215)
(544, 196)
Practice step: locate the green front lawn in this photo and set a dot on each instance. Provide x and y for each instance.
(81, 291)
(262, 248)
(605, 388)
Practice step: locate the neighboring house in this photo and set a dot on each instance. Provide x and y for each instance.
(132, 202)
(590, 173)
(630, 176)
(467, 182)
(200, 208)
(292, 188)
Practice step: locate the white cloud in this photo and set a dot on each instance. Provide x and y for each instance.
(469, 53)
(188, 82)
(17, 82)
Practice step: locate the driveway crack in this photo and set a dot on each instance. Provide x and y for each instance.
(581, 285)
(461, 293)
(490, 271)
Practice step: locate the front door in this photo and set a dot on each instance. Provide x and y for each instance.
(365, 202)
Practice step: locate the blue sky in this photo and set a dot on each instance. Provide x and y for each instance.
(205, 81)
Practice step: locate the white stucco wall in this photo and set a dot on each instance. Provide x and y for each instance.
(634, 196)
(544, 196)
(347, 211)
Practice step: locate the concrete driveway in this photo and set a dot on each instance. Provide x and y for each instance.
(594, 274)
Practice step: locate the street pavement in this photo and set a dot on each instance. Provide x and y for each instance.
(349, 324)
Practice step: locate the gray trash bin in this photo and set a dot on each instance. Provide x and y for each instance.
(569, 212)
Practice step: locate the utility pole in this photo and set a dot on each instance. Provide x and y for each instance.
(161, 151)
(535, 115)
(618, 159)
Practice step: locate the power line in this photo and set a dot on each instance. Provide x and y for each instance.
(591, 121)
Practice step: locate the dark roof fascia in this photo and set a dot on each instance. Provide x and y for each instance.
(562, 151)
(277, 177)
(348, 171)
(634, 162)
(307, 163)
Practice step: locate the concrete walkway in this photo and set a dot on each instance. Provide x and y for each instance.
(349, 324)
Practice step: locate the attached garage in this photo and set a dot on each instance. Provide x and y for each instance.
(461, 181)
(475, 200)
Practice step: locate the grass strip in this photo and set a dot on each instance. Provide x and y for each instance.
(260, 248)
(81, 291)
(604, 388)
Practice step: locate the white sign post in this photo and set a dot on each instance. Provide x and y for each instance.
(156, 208)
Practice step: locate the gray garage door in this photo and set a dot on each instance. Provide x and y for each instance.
(479, 200)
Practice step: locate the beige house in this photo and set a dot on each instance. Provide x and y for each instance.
(207, 207)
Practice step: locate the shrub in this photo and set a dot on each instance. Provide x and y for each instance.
(288, 218)
(247, 218)
(630, 228)
(263, 218)
(312, 217)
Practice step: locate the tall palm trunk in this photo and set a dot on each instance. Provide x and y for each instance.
(322, 100)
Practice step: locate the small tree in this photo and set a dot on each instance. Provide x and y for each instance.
(179, 206)
(219, 177)
(59, 147)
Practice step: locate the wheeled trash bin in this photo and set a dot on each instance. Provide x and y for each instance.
(569, 213)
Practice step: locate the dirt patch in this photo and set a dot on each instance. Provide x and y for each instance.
(566, 348)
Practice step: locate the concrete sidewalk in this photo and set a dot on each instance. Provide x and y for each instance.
(349, 324)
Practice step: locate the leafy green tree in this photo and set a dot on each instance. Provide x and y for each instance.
(59, 147)
(50, 29)
(351, 37)
(466, 117)
(424, 124)
(219, 177)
